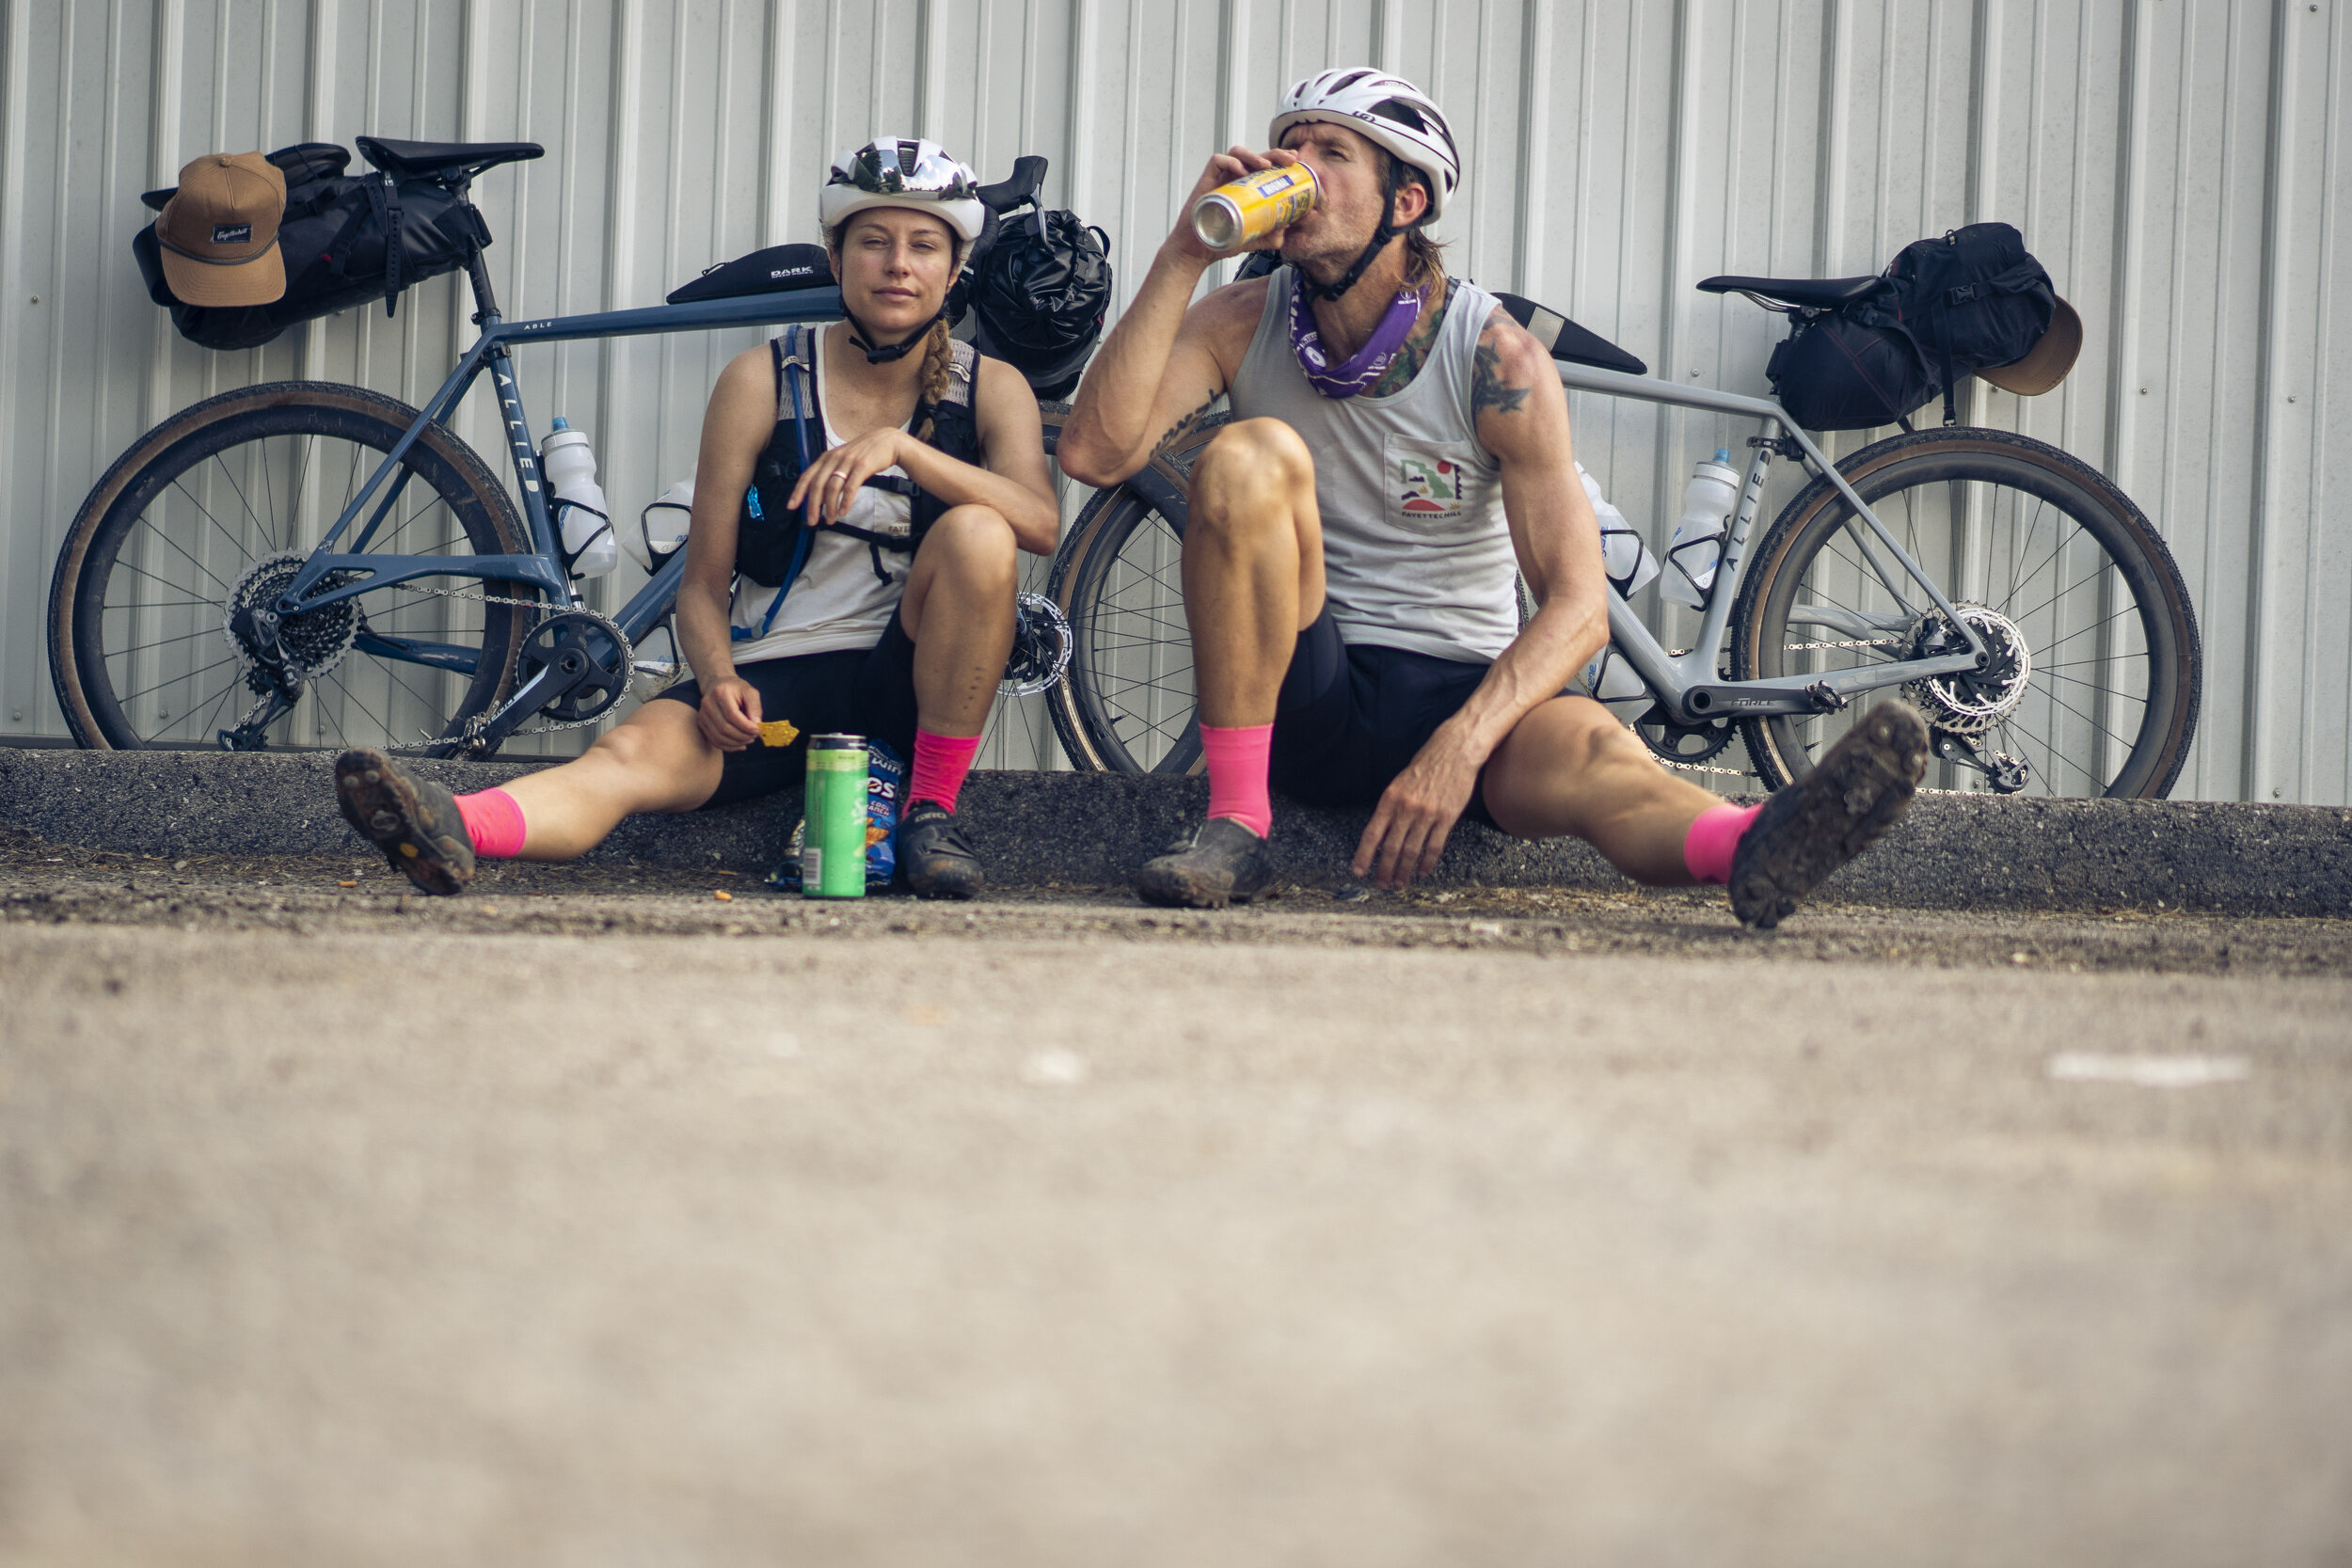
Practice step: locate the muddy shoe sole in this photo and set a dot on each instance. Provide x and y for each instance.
(414, 821)
(1813, 827)
(1222, 863)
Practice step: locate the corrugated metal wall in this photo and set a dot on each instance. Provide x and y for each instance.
(2178, 164)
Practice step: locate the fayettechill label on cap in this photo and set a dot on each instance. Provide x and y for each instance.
(232, 234)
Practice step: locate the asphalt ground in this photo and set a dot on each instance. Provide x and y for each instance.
(594, 1219)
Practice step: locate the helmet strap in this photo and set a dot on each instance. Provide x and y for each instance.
(1381, 238)
(864, 337)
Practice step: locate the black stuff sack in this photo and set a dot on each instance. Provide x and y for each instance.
(1040, 293)
(1972, 301)
(347, 238)
(1841, 373)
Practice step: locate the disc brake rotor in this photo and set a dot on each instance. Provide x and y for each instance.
(1041, 647)
(1971, 701)
(309, 644)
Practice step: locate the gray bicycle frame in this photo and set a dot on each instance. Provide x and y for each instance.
(1687, 687)
(544, 568)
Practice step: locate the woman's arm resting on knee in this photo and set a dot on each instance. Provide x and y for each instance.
(735, 427)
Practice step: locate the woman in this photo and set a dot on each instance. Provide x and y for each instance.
(924, 470)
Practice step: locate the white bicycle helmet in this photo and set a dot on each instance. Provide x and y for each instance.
(1389, 110)
(902, 171)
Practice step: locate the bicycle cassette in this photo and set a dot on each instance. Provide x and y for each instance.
(307, 645)
(590, 658)
(1972, 701)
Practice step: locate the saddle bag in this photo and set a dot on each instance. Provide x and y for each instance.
(1973, 300)
(347, 239)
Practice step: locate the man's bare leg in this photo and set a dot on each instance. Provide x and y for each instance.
(1570, 767)
(1253, 581)
(1253, 568)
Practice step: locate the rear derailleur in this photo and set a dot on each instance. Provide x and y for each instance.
(2003, 774)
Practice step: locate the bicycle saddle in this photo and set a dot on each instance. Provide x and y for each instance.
(1806, 294)
(406, 160)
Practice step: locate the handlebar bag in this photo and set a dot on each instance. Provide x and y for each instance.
(347, 238)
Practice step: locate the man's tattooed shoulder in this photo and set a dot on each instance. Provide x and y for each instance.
(1491, 384)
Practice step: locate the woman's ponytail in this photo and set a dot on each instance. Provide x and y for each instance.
(939, 357)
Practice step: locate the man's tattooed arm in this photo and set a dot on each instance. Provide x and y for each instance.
(1185, 423)
(1490, 384)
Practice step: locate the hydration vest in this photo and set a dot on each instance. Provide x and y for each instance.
(771, 542)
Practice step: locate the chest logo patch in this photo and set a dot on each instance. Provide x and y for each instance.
(1426, 489)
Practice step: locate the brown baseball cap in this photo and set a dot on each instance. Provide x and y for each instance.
(218, 232)
(2047, 363)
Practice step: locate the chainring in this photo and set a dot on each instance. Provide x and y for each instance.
(1971, 701)
(591, 654)
(312, 643)
(1684, 743)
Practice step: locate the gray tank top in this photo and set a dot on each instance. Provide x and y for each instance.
(1416, 554)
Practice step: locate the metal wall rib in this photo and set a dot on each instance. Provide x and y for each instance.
(2178, 164)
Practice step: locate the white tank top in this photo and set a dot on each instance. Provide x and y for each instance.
(1416, 554)
(837, 602)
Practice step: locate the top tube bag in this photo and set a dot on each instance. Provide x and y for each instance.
(347, 238)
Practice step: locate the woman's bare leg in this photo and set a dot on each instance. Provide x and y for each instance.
(658, 760)
(958, 611)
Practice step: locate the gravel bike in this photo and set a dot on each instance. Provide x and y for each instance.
(308, 563)
(2062, 659)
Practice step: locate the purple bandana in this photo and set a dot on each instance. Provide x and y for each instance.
(1369, 362)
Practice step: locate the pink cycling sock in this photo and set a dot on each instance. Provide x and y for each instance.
(1237, 769)
(940, 761)
(494, 821)
(1713, 839)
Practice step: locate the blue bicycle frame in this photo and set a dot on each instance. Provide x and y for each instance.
(544, 568)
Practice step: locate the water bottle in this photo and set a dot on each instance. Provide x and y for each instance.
(1623, 555)
(1697, 546)
(579, 508)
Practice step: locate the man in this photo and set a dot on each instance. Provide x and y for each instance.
(1398, 447)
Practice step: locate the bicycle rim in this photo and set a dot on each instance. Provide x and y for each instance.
(1127, 704)
(2094, 686)
(200, 510)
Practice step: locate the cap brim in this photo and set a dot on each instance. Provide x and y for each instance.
(2047, 363)
(261, 281)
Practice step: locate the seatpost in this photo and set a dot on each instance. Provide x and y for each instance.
(485, 301)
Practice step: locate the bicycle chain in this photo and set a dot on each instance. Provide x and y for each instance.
(480, 722)
(1854, 643)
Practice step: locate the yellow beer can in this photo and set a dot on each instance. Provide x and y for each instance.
(1254, 206)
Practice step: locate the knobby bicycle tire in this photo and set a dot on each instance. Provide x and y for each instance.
(1127, 704)
(2105, 700)
(254, 454)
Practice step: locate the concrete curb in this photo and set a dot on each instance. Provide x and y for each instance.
(1091, 829)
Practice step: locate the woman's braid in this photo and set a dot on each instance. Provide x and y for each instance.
(939, 357)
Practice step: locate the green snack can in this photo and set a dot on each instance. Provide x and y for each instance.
(832, 854)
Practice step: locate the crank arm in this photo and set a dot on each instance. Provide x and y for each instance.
(1809, 694)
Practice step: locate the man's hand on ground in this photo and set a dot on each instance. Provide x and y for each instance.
(729, 714)
(1417, 812)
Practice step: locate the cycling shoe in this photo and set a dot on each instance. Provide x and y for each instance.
(1812, 827)
(414, 821)
(1223, 863)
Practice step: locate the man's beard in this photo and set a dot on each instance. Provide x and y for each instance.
(1325, 260)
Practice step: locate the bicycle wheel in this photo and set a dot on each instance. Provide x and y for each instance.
(1127, 705)
(2096, 669)
(217, 506)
